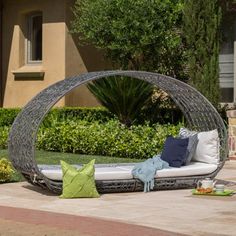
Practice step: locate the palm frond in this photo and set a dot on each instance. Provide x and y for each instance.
(123, 96)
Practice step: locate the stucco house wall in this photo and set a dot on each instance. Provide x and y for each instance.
(61, 54)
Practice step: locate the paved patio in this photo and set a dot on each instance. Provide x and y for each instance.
(154, 213)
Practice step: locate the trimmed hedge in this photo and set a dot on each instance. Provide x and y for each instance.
(7, 115)
(92, 131)
(161, 115)
(108, 139)
(68, 114)
(4, 136)
(99, 114)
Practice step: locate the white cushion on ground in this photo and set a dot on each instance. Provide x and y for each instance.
(125, 172)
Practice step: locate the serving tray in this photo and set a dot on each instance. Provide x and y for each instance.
(227, 192)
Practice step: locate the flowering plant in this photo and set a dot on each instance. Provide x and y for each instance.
(6, 170)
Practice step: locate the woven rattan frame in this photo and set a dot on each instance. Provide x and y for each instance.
(198, 111)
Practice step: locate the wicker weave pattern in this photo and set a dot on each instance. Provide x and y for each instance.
(198, 111)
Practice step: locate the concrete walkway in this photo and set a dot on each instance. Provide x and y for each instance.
(174, 211)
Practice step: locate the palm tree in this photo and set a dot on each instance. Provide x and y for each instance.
(123, 96)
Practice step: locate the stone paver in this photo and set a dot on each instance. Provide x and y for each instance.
(174, 211)
(65, 224)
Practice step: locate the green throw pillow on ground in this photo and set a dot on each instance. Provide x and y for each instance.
(78, 183)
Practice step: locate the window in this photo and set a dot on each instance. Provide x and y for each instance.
(226, 58)
(34, 41)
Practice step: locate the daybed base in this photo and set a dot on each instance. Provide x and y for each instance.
(199, 113)
(127, 185)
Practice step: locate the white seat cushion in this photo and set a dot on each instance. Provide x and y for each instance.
(125, 172)
(101, 173)
(194, 168)
(107, 173)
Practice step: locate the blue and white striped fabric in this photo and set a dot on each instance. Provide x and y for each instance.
(192, 143)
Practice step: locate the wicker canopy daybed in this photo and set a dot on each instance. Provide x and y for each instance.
(198, 111)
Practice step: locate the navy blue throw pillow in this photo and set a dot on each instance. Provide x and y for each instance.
(175, 151)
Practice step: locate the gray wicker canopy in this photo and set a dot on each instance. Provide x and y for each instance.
(198, 111)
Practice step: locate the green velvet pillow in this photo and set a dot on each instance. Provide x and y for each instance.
(78, 183)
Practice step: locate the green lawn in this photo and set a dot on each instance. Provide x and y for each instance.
(44, 157)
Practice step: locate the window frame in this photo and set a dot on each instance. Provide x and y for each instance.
(30, 18)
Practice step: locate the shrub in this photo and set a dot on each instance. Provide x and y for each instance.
(4, 136)
(62, 131)
(65, 114)
(163, 115)
(7, 116)
(6, 171)
(202, 46)
(161, 109)
(136, 35)
(108, 139)
(125, 97)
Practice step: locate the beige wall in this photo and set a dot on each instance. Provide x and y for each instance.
(80, 59)
(74, 66)
(62, 57)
